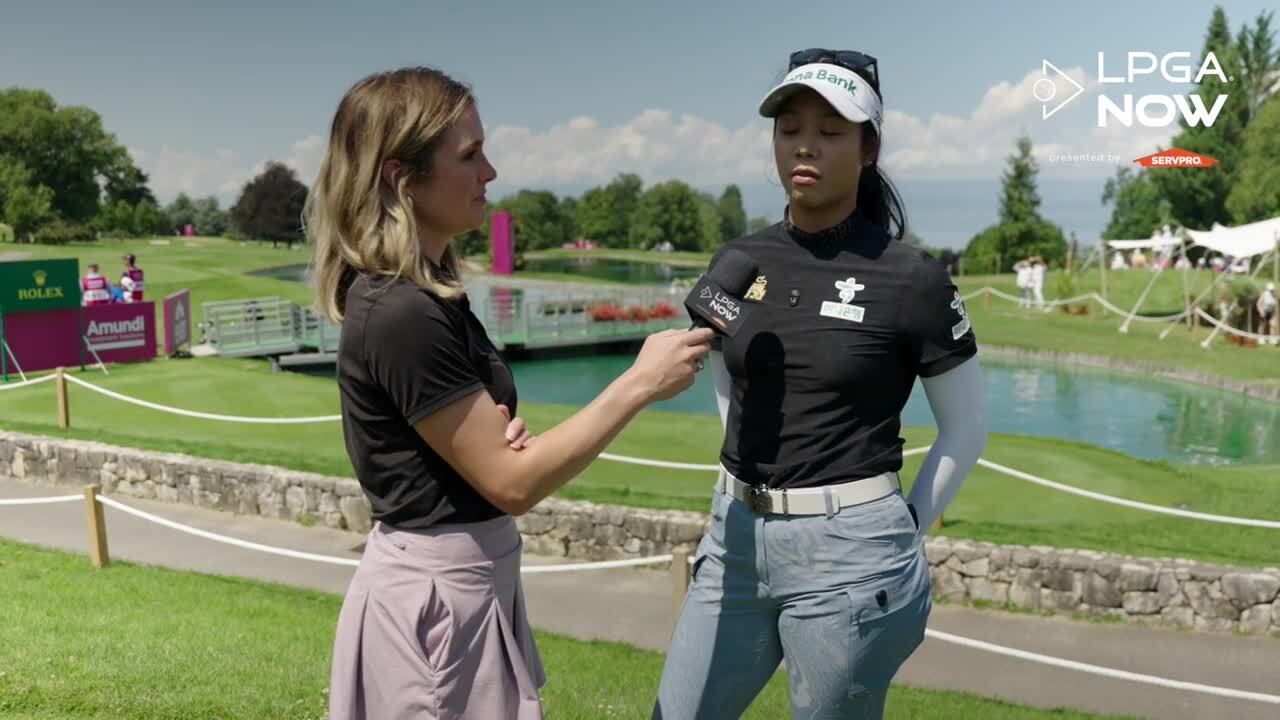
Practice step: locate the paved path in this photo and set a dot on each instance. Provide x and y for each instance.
(635, 606)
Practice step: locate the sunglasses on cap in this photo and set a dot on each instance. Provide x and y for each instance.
(848, 59)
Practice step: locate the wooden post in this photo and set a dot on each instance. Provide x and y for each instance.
(64, 405)
(1102, 268)
(1186, 285)
(937, 524)
(680, 574)
(97, 528)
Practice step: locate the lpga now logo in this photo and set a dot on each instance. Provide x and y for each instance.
(1148, 110)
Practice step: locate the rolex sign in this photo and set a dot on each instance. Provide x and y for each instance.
(30, 285)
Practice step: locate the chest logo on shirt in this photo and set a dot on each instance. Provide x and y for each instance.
(959, 329)
(757, 290)
(843, 310)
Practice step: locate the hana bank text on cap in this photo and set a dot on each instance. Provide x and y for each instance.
(843, 89)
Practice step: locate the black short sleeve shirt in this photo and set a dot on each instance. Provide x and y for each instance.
(405, 353)
(842, 323)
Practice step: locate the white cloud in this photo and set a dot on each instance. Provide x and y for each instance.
(658, 144)
(655, 145)
(222, 173)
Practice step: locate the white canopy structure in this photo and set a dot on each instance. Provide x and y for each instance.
(1240, 241)
(1155, 242)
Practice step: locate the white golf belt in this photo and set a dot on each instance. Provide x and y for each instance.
(811, 501)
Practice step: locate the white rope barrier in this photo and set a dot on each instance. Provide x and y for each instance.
(601, 565)
(1228, 329)
(202, 415)
(27, 383)
(1069, 301)
(1103, 671)
(41, 500)
(1138, 318)
(1227, 519)
(223, 538)
(660, 559)
(659, 463)
(353, 562)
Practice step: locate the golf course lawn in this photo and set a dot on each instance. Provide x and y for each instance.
(991, 506)
(140, 643)
(216, 269)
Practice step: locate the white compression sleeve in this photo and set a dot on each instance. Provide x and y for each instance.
(720, 374)
(959, 408)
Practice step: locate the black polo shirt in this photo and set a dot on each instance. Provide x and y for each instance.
(843, 322)
(404, 354)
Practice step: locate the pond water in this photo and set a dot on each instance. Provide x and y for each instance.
(1143, 418)
(626, 271)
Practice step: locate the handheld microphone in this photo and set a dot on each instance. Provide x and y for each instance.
(716, 300)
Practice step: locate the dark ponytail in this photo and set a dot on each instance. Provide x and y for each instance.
(878, 199)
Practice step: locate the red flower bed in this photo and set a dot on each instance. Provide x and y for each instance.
(609, 312)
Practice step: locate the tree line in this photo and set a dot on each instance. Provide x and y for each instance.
(65, 178)
(621, 214)
(1243, 187)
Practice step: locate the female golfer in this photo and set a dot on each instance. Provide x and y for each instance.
(814, 556)
(433, 624)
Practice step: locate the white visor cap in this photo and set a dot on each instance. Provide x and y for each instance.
(843, 89)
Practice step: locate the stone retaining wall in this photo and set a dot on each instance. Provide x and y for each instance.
(1173, 592)
(1266, 390)
(1161, 591)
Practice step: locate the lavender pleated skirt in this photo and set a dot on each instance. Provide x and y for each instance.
(433, 626)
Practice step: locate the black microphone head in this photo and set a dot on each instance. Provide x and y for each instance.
(734, 272)
(716, 300)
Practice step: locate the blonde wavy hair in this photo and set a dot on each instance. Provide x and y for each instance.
(354, 220)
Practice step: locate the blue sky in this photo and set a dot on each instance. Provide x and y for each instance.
(573, 93)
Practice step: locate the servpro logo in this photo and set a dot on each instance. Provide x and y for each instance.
(1152, 110)
(116, 327)
(39, 292)
(1176, 157)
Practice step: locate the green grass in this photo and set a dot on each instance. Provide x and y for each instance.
(136, 643)
(216, 269)
(990, 507)
(213, 268)
(1000, 322)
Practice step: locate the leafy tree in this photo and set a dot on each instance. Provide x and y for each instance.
(65, 149)
(27, 208)
(115, 219)
(149, 219)
(210, 220)
(758, 223)
(1256, 193)
(181, 212)
(1020, 231)
(1198, 199)
(733, 217)
(126, 182)
(270, 206)
(1137, 206)
(1020, 198)
(669, 211)
(1259, 62)
(605, 214)
(538, 220)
